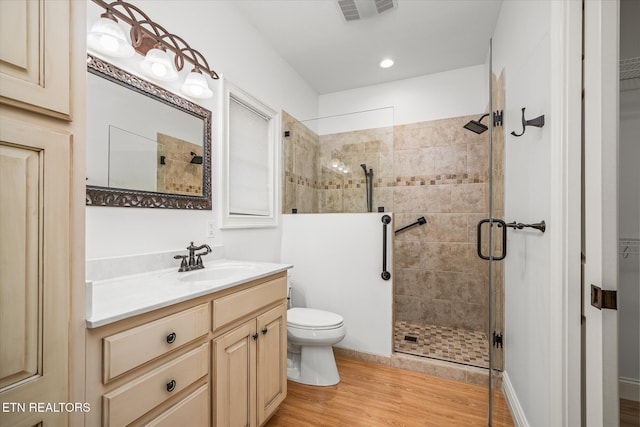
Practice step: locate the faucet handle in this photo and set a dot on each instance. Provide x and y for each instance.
(183, 263)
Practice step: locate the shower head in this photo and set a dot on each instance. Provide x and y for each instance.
(476, 125)
(364, 167)
(195, 159)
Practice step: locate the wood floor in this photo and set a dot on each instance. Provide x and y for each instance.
(371, 394)
(629, 413)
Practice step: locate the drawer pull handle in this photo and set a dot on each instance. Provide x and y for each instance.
(255, 336)
(264, 331)
(171, 338)
(171, 385)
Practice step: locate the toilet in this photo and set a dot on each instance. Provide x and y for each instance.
(310, 335)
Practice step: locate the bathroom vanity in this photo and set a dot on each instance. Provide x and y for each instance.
(202, 348)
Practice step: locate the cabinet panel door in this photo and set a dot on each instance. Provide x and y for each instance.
(35, 55)
(192, 411)
(235, 373)
(272, 361)
(34, 270)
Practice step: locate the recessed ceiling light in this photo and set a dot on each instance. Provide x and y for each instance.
(386, 63)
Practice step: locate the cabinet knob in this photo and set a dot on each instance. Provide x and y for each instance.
(264, 331)
(171, 338)
(254, 336)
(171, 385)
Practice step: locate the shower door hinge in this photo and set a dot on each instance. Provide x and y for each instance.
(603, 299)
(497, 339)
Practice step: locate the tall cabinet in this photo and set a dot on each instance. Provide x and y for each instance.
(41, 210)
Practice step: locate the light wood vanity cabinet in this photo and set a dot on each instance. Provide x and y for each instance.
(216, 360)
(250, 370)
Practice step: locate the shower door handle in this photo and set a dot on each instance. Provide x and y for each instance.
(386, 219)
(501, 224)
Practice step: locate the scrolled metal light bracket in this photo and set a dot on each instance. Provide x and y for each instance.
(146, 34)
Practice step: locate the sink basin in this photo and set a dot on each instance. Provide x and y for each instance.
(222, 271)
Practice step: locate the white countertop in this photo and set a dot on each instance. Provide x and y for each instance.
(118, 298)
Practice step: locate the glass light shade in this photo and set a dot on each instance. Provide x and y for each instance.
(107, 37)
(158, 65)
(334, 163)
(195, 86)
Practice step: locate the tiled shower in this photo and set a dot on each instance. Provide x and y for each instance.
(432, 169)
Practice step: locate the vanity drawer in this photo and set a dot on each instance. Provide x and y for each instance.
(239, 304)
(192, 411)
(131, 348)
(129, 402)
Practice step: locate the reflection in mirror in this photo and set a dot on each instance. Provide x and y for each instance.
(147, 147)
(339, 164)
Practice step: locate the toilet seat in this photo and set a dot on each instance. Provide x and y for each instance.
(309, 318)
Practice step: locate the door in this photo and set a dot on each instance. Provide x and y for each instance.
(235, 377)
(600, 347)
(34, 272)
(272, 361)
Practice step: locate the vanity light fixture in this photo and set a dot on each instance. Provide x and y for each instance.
(153, 42)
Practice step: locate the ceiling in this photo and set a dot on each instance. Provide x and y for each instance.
(331, 54)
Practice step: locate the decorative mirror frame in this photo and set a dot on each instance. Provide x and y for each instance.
(103, 196)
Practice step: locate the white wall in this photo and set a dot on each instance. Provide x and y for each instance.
(436, 96)
(337, 262)
(235, 50)
(629, 227)
(522, 48)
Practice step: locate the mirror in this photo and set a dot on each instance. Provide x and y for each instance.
(146, 147)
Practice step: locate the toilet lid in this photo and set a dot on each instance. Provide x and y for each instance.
(310, 318)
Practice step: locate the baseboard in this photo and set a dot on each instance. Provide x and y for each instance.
(629, 389)
(515, 408)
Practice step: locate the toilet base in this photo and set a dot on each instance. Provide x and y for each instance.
(314, 365)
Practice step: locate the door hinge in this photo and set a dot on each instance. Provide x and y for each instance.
(497, 339)
(603, 298)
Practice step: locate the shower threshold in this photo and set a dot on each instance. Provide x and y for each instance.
(443, 343)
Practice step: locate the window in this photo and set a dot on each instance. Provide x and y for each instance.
(249, 190)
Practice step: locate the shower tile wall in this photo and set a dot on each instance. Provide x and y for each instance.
(176, 175)
(441, 174)
(312, 186)
(342, 192)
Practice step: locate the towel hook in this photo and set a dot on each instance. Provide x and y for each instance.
(537, 122)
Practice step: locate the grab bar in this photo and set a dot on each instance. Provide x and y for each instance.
(419, 221)
(386, 219)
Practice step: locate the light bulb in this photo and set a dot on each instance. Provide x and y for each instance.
(386, 63)
(109, 42)
(158, 69)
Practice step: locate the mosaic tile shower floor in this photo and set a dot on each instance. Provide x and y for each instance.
(439, 342)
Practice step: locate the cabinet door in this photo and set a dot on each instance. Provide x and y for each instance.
(34, 271)
(235, 377)
(272, 361)
(35, 56)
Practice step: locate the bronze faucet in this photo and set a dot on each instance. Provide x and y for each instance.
(195, 259)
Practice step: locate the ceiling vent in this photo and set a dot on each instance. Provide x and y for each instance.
(354, 10)
(384, 5)
(349, 10)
